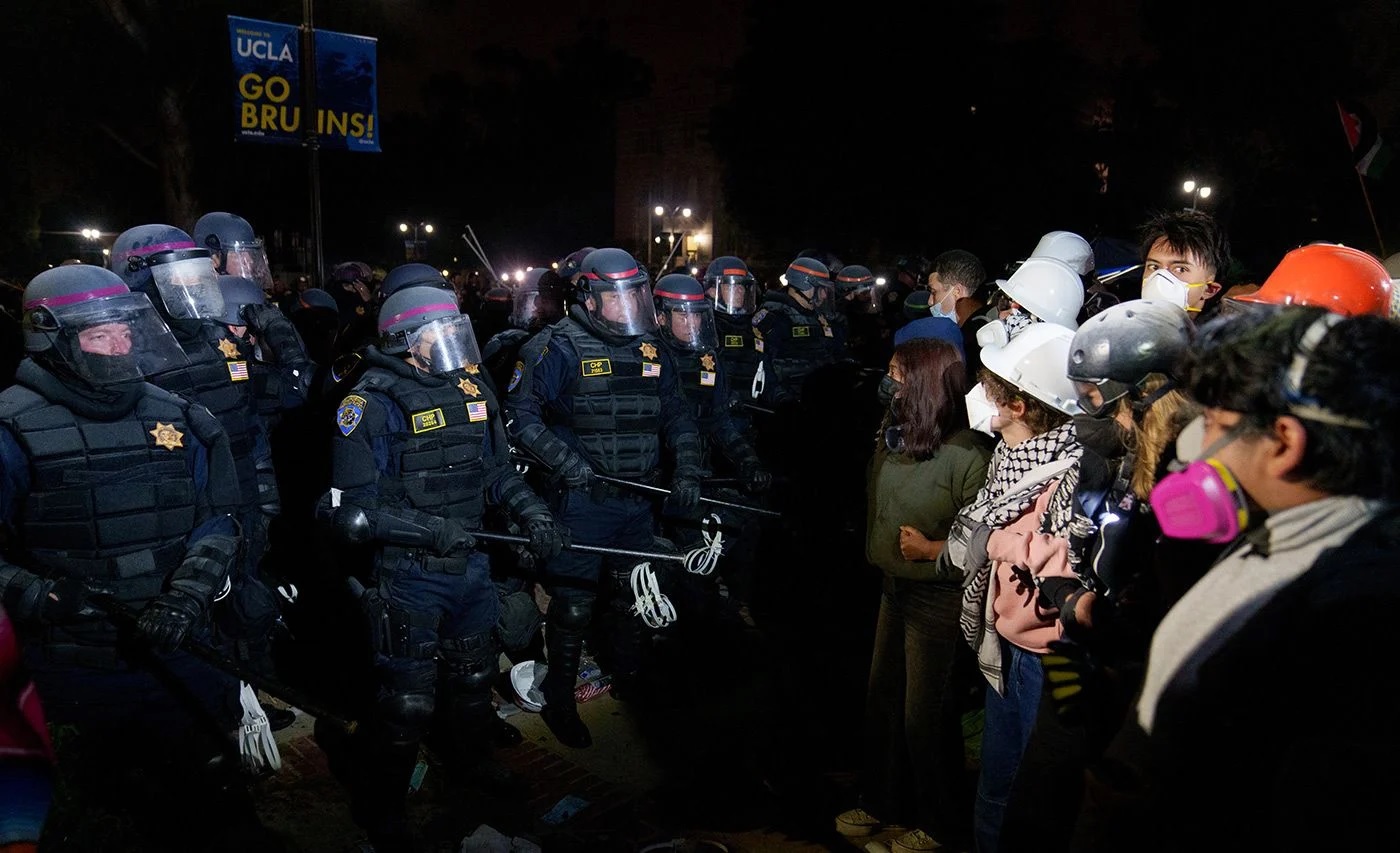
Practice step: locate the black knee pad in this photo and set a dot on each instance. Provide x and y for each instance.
(406, 716)
(571, 614)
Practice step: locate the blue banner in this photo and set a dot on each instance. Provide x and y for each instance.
(267, 94)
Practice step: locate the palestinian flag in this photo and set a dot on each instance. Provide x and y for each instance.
(1369, 151)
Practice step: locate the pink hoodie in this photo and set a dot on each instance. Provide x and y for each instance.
(1018, 618)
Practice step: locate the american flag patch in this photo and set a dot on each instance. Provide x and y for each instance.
(476, 411)
(238, 371)
(651, 368)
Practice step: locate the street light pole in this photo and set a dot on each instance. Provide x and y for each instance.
(1196, 191)
(419, 228)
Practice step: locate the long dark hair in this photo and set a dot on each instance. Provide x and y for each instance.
(930, 406)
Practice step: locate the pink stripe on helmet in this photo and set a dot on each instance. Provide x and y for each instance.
(141, 251)
(613, 275)
(414, 312)
(71, 298)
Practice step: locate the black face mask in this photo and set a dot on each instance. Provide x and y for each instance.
(888, 388)
(1104, 436)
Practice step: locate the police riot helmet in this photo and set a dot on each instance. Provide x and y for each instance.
(139, 242)
(407, 275)
(572, 264)
(538, 300)
(812, 279)
(853, 278)
(1119, 347)
(731, 286)
(424, 322)
(83, 321)
(316, 299)
(237, 250)
(684, 313)
(238, 292)
(616, 292)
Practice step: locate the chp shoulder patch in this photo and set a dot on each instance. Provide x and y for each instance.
(758, 318)
(515, 376)
(350, 413)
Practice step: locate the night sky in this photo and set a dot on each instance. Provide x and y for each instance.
(973, 125)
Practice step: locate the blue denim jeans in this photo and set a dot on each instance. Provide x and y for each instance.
(1010, 720)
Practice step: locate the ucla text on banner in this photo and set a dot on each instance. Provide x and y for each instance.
(267, 85)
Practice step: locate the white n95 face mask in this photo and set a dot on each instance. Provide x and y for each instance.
(980, 410)
(1162, 286)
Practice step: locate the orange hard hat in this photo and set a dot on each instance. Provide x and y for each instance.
(1326, 275)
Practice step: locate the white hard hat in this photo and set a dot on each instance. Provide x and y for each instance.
(1034, 361)
(1048, 289)
(1069, 247)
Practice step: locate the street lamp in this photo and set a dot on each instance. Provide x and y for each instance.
(1196, 191)
(413, 249)
(672, 222)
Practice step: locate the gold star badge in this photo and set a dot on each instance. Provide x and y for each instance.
(228, 348)
(648, 350)
(472, 369)
(707, 361)
(168, 436)
(468, 387)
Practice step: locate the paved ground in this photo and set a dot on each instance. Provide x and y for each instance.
(661, 771)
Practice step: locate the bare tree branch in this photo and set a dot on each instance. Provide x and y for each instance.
(128, 147)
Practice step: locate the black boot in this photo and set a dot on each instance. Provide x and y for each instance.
(565, 645)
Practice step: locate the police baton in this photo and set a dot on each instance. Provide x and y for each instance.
(356, 526)
(657, 490)
(118, 612)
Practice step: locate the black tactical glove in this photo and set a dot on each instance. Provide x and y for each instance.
(1071, 676)
(755, 479)
(685, 496)
(167, 620)
(1062, 594)
(546, 537)
(574, 472)
(65, 600)
(452, 538)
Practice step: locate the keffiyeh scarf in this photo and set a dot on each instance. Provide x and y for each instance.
(1015, 478)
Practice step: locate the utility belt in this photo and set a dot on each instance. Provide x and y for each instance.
(149, 563)
(91, 657)
(457, 564)
(601, 491)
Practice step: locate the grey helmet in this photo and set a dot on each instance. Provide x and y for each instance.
(731, 286)
(84, 322)
(234, 245)
(1117, 348)
(615, 291)
(424, 322)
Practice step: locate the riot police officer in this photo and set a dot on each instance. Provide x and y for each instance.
(162, 262)
(116, 485)
(733, 290)
(419, 452)
(687, 322)
(796, 334)
(596, 392)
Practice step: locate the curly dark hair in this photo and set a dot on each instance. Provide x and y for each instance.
(1040, 417)
(1240, 363)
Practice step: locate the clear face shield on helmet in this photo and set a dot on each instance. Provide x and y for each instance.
(248, 260)
(188, 283)
(823, 298)
(111, 340)
(624, 310)
(534, 309)
(735, 295)
(445, 345)
(691, 325)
